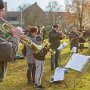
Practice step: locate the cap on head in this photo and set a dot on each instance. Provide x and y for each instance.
(1, 4)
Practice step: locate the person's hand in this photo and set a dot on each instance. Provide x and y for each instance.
(17, 32)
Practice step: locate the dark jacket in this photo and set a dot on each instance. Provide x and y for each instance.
(42, 53)
(74, 38)
(8, 48)
(54, 39)
(82, 38)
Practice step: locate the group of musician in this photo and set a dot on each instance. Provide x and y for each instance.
(35, 61)
(77, 38)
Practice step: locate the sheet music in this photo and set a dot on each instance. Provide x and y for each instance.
(74, 49)
(58, 74)
(77, 62)
(62, 46)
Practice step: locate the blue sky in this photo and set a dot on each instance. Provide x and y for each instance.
(12, 5)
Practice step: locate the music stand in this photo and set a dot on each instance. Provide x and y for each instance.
(59, 71)
(58, 76)
(78, 63)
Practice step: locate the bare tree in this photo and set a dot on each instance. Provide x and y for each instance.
(52, 9)
(78, 9)
(21, 8)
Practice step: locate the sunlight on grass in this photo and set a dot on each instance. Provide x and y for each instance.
(16, 74)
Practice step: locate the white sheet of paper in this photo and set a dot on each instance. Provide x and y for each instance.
(74, 49)
(58, 74)
(62, 46)
(77, 62)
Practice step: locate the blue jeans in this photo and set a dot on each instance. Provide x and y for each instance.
(54, 60)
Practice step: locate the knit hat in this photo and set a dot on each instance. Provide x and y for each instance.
(1, 4)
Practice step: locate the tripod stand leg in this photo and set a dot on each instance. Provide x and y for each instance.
(65, 84)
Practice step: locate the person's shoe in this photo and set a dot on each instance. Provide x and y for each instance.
(35, 85)
(81, 50)
(40, 87)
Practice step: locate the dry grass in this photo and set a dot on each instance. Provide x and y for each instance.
(16, 75)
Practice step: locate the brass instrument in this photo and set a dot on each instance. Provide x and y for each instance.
(24, 39)
(47, 45)
(28, 42)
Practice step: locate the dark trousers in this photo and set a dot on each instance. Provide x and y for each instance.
(74, 45)
(31, 72)
(3, 68)
(81, 46)
(54, 60)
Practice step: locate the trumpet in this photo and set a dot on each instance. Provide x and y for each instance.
(24, 39)
(28, 42)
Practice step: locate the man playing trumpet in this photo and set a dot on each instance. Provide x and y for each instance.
(8, 48)
(54, 39)
(30, 57)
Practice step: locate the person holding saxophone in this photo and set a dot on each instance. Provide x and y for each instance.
(8, 48)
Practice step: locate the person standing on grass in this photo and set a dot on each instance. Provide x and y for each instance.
(54, 39)
(40, 60)
(30, 57)
(82, 39)
(8, 48)
(74, 38)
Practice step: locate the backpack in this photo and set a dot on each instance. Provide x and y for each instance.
(24, 50)
(6, 52)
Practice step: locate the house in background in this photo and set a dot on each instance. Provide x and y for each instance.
(34, 15)
(13, 17)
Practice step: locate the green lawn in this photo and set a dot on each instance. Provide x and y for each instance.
(16, 75)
